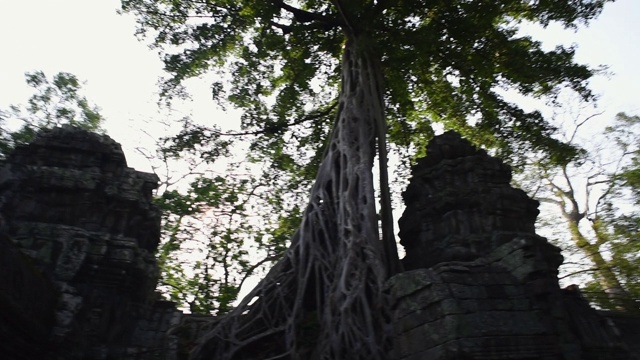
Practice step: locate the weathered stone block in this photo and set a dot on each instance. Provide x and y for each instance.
(459, 291)
(88, 221)
(27, 305)
(492, 290)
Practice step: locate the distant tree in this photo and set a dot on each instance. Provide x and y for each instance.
(617, 225)
(56, 102)
(597, 196)
(221, 224)
(387, 69)
(209, 224)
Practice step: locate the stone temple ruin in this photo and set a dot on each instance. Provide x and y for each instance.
(480, 284)
(78, 232)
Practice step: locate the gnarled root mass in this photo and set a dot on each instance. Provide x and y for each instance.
(324, 299)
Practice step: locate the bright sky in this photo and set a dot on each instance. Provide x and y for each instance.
(90, 40)
(87, 38)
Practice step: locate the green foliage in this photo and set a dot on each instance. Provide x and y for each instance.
(196, 140)
(620, 240)
(443, 61)
(597, 195)
(56, 102)
(220, 228)
(627, 137)
(619, 220)
(205, 218)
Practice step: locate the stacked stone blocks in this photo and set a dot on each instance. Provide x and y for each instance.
(480, 283)
(88, 224)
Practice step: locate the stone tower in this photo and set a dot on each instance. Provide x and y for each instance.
(87, 222)
(480, 283)
(460, 205)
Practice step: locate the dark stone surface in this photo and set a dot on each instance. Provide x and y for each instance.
(628, 326)
(27, 305)
(80, 179)
(481, 284)
(460, 205)
(86, 220)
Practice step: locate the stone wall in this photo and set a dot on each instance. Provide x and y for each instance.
(481, 284)
(88, 225)
(628, 327)
(27, 306)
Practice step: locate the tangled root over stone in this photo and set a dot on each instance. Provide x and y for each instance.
(324, 299)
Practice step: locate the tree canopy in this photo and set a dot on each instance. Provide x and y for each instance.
(56, 102)
(444, 61)
(616, 220)
(384, 70)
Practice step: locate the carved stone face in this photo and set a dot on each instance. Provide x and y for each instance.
(73, 205)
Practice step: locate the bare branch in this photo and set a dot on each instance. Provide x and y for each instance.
(304, 16)
(579, 124)
(612, 182)
(286, 29)
(590, 270)
(255, 266)
(550, 201)
(272, 130)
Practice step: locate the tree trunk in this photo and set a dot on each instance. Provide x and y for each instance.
(324, 299)
(605, 276)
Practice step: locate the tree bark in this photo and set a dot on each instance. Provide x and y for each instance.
(608, 280)
(324, 299)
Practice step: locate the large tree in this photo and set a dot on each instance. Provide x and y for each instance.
(387, 68)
